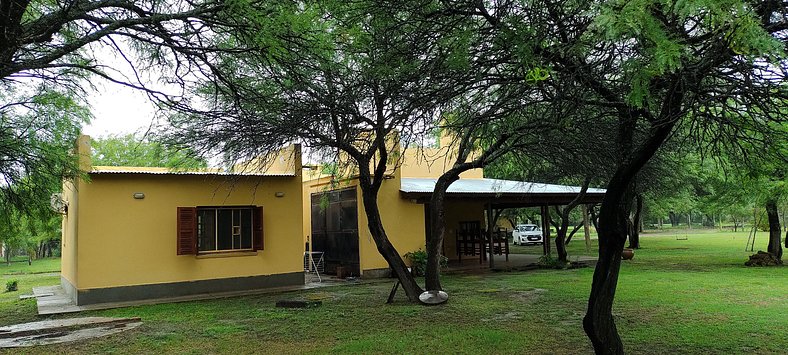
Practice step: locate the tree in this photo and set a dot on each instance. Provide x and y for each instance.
(657, 70)
(352, 81)
(478, 145)
(36, 136)
(487, 120)
(47, 39)
(128, 150)
(33, 227)
(47, 53)
(775, 248)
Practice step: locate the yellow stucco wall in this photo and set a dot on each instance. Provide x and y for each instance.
(124, 241)
(283, 161)
(69, 226)
(431, 163)
(402, 220)
(68, 242)
(111, 239)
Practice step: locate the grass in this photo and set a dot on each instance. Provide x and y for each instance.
(677, 296)
(42, 272)
(19, 266)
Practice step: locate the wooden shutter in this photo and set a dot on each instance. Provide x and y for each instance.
(187, 230)
(257, 228)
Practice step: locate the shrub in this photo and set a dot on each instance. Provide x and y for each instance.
(11, 286)
(548, 262)
(418, 261)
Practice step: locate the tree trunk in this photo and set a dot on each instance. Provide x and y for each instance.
(385, 248)
(572, 233)
(546, 230)
(598, 322)
(634, 236)
(594, 218)
(437, 230)
(560, 237)
(674, 220)
(774, 229)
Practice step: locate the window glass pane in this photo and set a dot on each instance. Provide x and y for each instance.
(333, 220)
(225, 229)
(236, 217)
(348, 215)
(206, 227)
(318, 218)
(348, 194)
(246, 228)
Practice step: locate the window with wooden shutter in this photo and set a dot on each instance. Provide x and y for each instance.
(257, 228)
(187, 230)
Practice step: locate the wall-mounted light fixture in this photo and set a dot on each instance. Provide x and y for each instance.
(279, 194)
(139, 195)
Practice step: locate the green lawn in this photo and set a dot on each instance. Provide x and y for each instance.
(677, 296)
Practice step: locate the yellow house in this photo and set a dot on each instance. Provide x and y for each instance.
(146, 233)
(150, 233)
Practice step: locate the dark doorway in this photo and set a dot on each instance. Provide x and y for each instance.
(335, 229)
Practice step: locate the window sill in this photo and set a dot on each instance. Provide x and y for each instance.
(226, 254)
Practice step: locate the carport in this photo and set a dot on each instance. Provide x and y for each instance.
(492, 194)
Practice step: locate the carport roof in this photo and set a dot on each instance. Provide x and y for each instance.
(502, 193)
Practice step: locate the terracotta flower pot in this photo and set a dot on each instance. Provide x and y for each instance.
(628, 254)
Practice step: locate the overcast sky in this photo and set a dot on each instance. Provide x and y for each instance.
(118, 110)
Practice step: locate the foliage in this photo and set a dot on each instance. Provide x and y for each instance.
(11, 285)
(36, 139)
(129, 150)
(418, 261)
(52, 41)
(28, 231)
(48, 54)
(549, 262)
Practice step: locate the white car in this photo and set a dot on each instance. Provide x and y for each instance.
(526, 234)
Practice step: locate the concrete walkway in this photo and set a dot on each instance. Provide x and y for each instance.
(471, 264)
(54, 300)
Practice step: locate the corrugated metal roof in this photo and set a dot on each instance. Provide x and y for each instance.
(486, 186)
(166, 171)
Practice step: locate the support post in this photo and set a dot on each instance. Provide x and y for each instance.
(586, 228)
(490, 233)
(546, 230)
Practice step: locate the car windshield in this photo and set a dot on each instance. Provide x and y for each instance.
(527, 228)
